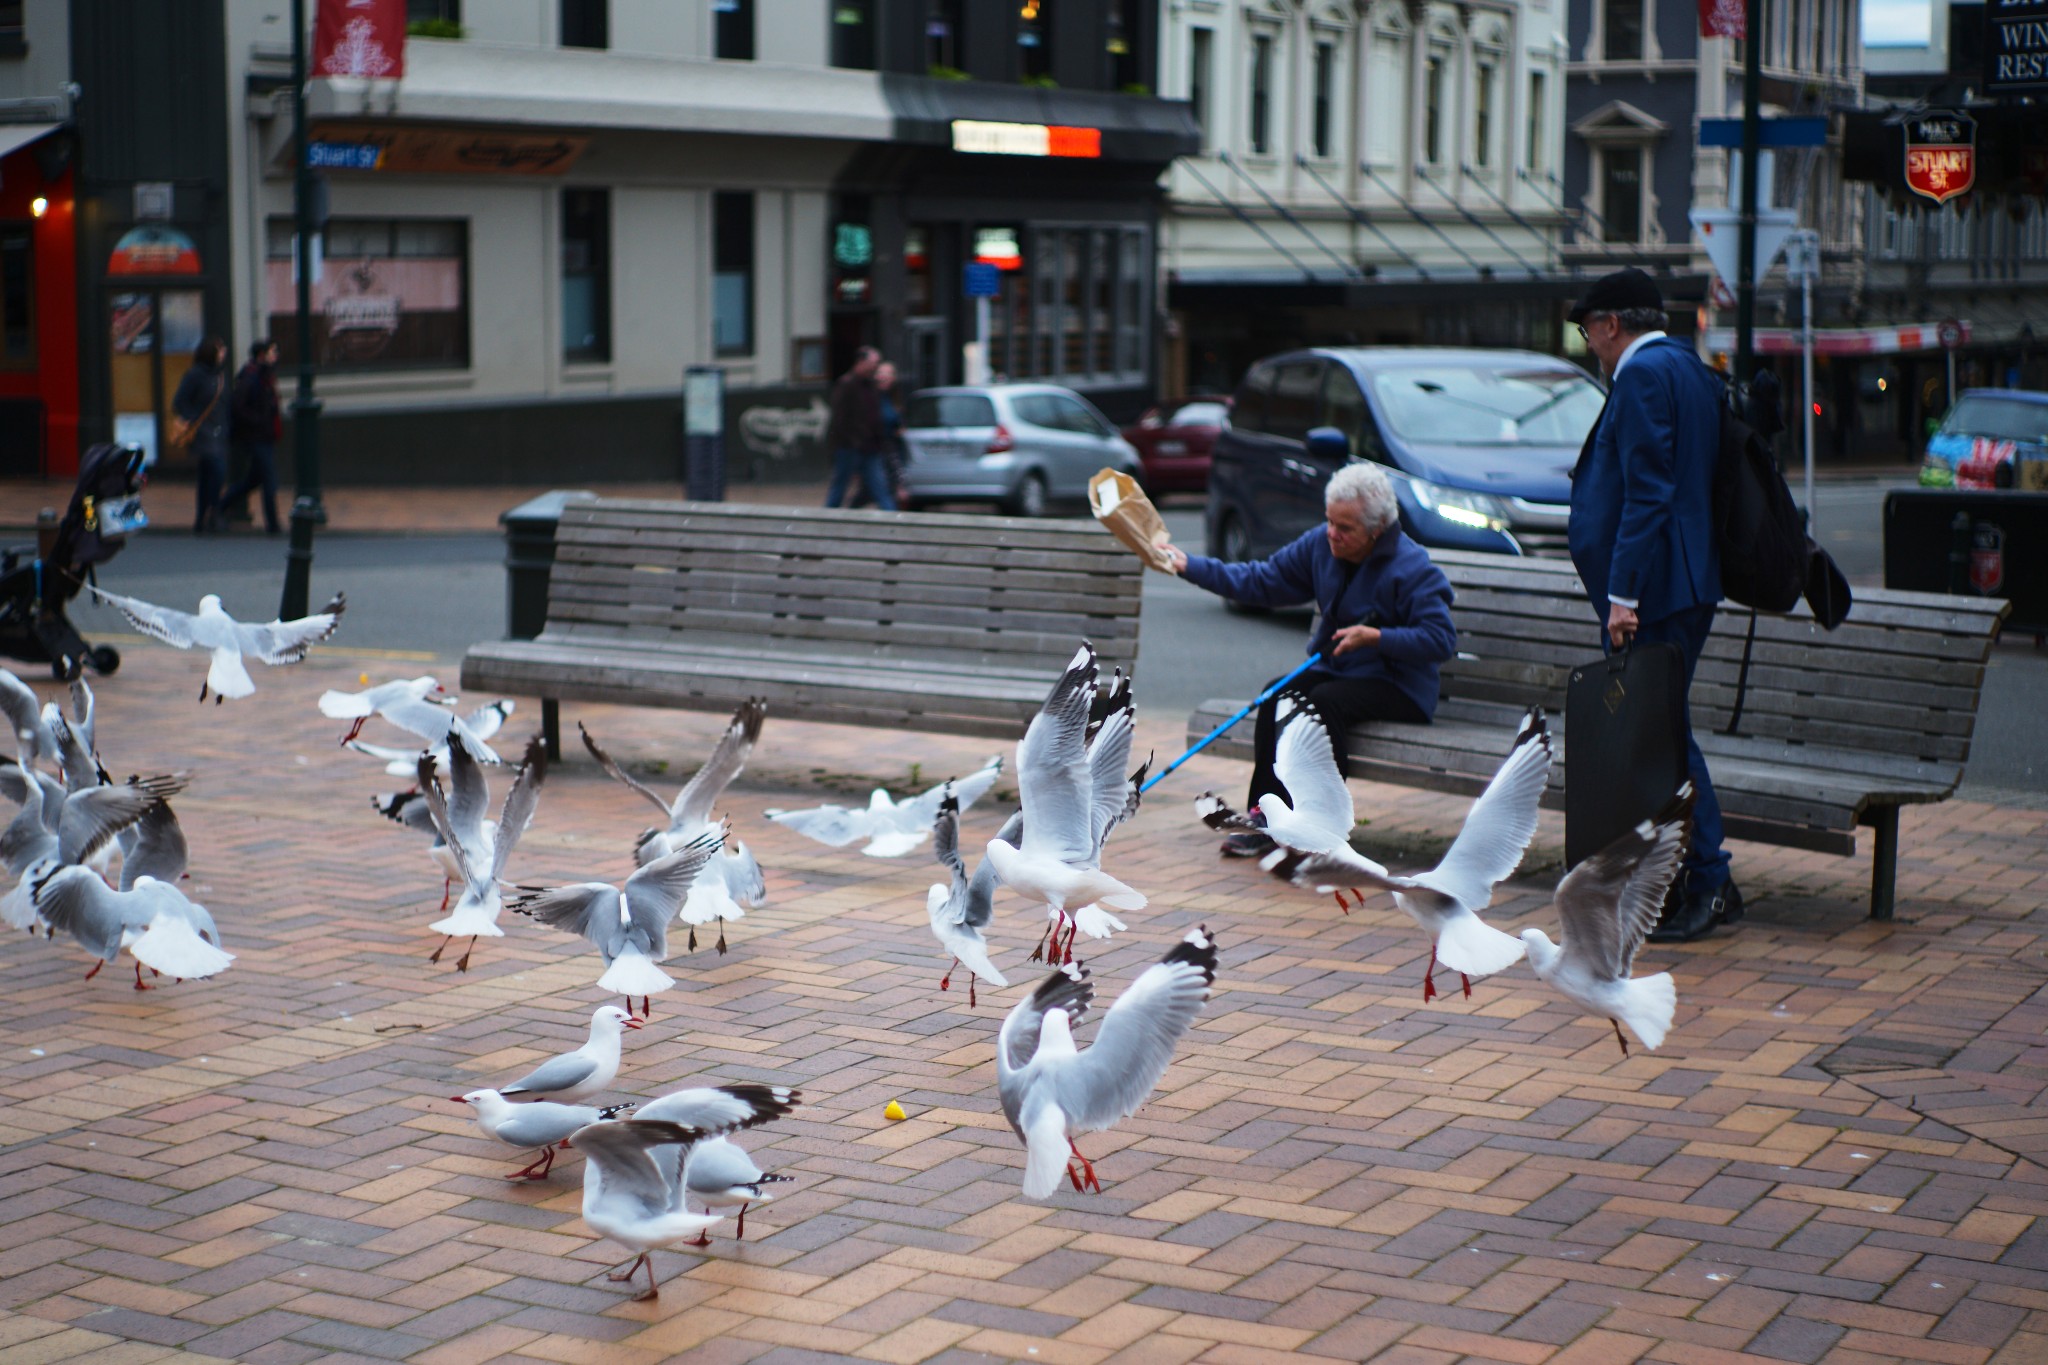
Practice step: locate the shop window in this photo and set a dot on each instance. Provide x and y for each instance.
(917, 269)
(732, 30)
(437, 17)
(586, 23)
(1482, 116)
(17, 294)
(945, 49)
(732, 278)
(1080, 315)
(1034, 42)
(393, 294)
(1433, 109)
(1120, 45)
(1539, 111)
(1262, 93)
(1622, 30)
(853, 34)
(586, 275)
(1201, 43)
(1322, 119)
(1621, 194)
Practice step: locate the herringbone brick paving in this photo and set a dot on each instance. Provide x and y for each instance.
(1833, 1159)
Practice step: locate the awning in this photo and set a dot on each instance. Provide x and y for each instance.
(15, 136)
(1916, 336)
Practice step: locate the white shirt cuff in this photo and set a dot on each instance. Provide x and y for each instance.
(1628, 602)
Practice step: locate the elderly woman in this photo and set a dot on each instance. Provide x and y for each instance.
(1385, 622)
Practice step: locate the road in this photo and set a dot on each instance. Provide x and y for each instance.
(426, 597)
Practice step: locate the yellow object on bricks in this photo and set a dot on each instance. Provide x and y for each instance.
(893, 1110)
(1118, 503)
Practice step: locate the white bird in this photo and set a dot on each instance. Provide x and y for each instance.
(24, 712)
(1055, 864)
(959, 911)
(479, 856)
(578, 1075)
(540, 1124)
(633, 1198)
(56, 829)
(417, 705)
(1314, 835)
(1114, 799)
(1608, 905)
(629, 928)
(1051, 1092)
(279, 642)
(720, 1175)
(892, 828)
(402, 761)
(732, 882)
(409, 808)
(161, 929)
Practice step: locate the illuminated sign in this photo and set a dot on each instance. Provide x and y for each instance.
(1025, 139)
(997, 246)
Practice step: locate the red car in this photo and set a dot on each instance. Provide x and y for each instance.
(1173, 451)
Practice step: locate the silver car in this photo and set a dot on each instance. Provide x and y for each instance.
(1020, 445)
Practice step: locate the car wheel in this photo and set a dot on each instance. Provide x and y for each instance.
(1029, 499)
(1234, 547)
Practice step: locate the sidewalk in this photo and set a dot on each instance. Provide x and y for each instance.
(1835, 1157)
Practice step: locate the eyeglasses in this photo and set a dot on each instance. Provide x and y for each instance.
(1590, 317)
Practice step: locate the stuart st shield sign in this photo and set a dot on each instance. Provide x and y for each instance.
(1941, 154)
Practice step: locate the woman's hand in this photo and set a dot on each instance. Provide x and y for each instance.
(1177, 555)
(1354, 637)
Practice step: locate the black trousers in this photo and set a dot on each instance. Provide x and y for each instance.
(1342, 702)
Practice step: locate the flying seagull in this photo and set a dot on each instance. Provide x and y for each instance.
(892, 828)
(479, 856)
(961, 909)
(280, 642)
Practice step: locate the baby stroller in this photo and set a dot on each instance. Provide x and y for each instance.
(38, 581)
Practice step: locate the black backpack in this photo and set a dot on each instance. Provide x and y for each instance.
(1759, 530)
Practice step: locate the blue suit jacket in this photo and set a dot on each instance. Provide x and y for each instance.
(1642, 523)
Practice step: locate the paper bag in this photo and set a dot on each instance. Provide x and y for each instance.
(1118, 503)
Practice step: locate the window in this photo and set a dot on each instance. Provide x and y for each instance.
(1248, 409)
(17, 292)
(432, 12)
(393, 294)
(586, 275)
(12, 28)
(1621, 194)
(1034, 41)
(1293, 406)
(1344, 408)
(853, 34)
(1539, 109)
(732, 277)
(586, 23)
(1433, 109)
(1076, 311)
(1622, 35)
(732, 30)
(1200, 43)
(1482, 116)
(1262, 86)
(1323, 122)
(1120, 44)
(951, 410)
(945, 53)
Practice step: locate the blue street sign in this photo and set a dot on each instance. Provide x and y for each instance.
(1771, 132)
(982, 280)
(344, 156)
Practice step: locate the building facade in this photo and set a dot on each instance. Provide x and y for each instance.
(39, 399)
(1379, 172)
(562, 205)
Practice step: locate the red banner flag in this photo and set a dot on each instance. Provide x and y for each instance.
(363, 38)
(1723, 19)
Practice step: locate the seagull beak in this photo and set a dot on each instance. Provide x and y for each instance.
(634, 1022)
(458, 1099)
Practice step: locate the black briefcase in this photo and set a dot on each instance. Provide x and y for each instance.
(1624, 724)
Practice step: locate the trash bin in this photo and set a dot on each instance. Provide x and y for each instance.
(530, 559)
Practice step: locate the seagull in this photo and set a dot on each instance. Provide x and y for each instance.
(154, 846)
(479, 856)
(1314, 838)
(722, 1108)
(409, 808)
(24, 711)
(1608, 905)
(419, 705)
(1050, 1091)
(1055, 863)
(720, 1174)
(892, 828)
(631, 1197)
(578, 1075)
(482, 723)
(629, 928)
(280, 642)
(1114, 799)
(161, 929)
(961, 910)
(729, 883)
(540, 1124)
(57, 828)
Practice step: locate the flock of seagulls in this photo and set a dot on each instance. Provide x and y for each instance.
(647, 1162)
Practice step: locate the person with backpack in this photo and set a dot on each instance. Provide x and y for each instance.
(200, 407)
(1643, 535)
(256, 420)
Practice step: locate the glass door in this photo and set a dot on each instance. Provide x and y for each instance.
(152, 334)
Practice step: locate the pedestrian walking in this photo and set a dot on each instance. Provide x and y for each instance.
(892, 438)
(854, 433)
(1642, 536)
(200, 409)
(256, 421)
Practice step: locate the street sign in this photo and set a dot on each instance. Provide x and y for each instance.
(2016, 47)
(981, 280)
(1941, 154)
(1802, 257)
(1772, 132)
(1949, 333)
(1720, 233)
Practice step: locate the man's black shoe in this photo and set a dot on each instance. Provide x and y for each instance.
(1731, 903)
(1693, 913)
(1248, 844)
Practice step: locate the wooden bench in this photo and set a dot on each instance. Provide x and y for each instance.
(1838, 729)
(914, 620)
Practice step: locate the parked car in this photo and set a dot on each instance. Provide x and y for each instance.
(1020, 445)
(1991, 438)
(1173, 444)
(1479, 445)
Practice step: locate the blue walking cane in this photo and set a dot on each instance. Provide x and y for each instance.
(1217, 733)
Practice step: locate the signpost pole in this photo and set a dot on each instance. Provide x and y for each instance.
(981, 312)
(1752, 140)
(307, 508)
(1809, 266)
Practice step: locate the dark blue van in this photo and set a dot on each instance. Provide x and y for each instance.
(1479, 445)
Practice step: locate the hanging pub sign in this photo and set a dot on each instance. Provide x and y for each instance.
(2015, 47)
(1941, 154)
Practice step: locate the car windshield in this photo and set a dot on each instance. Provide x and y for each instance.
(950, 410)
(1469, 405)
(2000, 419)
(1199, 415)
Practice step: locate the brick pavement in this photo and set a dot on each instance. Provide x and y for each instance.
(1833, 1159)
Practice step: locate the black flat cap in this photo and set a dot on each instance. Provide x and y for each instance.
(1617, 293)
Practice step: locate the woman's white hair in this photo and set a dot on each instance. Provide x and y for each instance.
(1365, 484)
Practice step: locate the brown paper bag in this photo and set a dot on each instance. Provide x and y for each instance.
(1118, 503)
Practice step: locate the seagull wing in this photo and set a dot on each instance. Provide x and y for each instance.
(722, 1108)
(76, 900)
(520, 802)
(833, 826)
(419, 716)
(163, 623)
(657, 890)
(437, 811)
(159, 850)
(93, 817)
(1137, 1038)
(469, 799)
(1070, 989)
(1500, 824)
(621, 1153)
(610, 765)
(1306, 765)
(24, 711)
(1052, 767)
(15, 783)
(1610, 902)
(735, 746)
(587, 908)
(1108, 754)
(554, 1074)
(981, 887)
(286, 642)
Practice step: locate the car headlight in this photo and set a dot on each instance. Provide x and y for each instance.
(1480, 511)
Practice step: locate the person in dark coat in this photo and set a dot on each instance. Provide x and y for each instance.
(1642, 535)
(1384, 630)
(256, 421)
(202, 399)
(892, 438)
(854, 433)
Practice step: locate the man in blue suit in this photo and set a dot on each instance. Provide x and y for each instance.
(1642, 535)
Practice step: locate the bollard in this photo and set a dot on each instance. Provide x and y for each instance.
(530, 559)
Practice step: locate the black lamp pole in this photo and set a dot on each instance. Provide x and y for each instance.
(307, 509)
(1752, 137)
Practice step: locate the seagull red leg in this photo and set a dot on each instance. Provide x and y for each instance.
(463, 964)
(971, 1002)
(445, 941)
(1619, 1037)
(647, 1259)
(946, 981)
(1087, 1166)
(1429, 978)
(1466, 982)
(95, 969)
(742, 1232)
(615, 1275)
(138, 978)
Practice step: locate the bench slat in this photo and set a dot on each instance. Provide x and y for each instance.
(904, 636)
(653, 546)
(586, 558)
(773, 612)
(800, 595)
(906, 535)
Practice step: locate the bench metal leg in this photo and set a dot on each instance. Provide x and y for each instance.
(551, 733)
(1884, 864)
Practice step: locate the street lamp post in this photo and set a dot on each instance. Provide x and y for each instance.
(307, 508)
(1752, 138)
